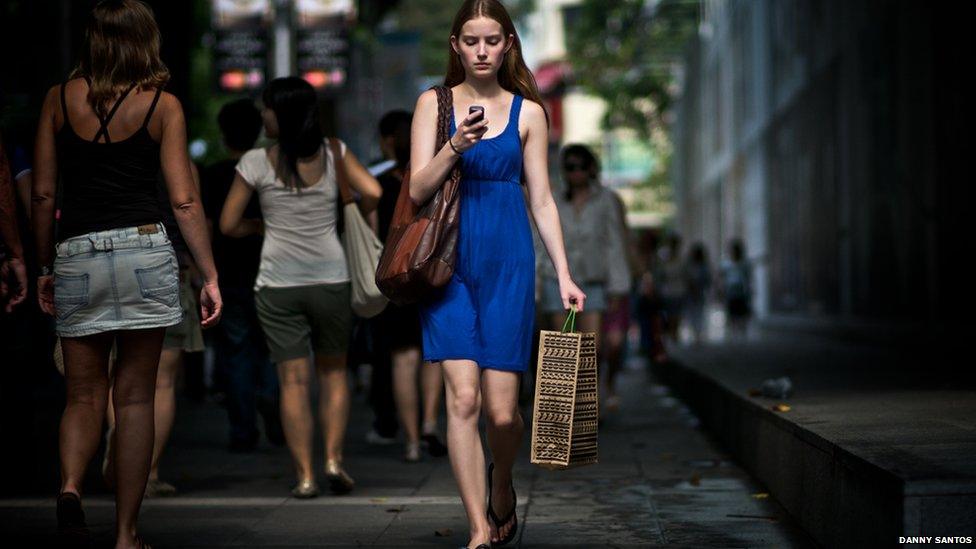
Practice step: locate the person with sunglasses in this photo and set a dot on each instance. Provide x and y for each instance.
(592, 224)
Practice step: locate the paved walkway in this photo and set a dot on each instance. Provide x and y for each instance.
(660, 481)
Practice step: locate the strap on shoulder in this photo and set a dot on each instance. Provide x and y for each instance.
(342, 178)
(445, 114)
(64, 102)
(513, 114)
(152, 107)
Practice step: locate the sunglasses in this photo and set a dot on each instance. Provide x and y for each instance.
(575, 167)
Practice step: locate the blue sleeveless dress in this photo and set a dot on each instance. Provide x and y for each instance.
(486, 312)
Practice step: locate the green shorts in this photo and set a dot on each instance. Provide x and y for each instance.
(188, 334)
(304, 319)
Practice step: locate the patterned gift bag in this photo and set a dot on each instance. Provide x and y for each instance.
(565, 413)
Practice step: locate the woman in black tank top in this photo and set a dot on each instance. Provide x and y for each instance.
(106, 133)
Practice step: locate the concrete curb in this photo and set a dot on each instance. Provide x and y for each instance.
(837, 497)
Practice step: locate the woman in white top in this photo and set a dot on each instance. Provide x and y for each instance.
(302, 289)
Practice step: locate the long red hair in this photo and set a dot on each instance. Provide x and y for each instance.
(514, 75)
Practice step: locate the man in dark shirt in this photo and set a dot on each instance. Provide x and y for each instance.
(242, 356)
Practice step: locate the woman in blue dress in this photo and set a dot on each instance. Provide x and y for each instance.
(479, 327)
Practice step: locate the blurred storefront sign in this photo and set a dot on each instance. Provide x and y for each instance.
(240, 46)
(551, 79)
(322, 42)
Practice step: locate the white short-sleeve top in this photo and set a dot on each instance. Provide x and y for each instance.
(301, 246)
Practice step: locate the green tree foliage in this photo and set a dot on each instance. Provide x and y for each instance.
(625, 52)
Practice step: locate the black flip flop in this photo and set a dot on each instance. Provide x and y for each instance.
(504, 520)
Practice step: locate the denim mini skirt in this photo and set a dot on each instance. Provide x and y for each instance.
(119, 279)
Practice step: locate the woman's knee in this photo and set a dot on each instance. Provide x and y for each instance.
(504, 419)
(132, 393)
(464, 403)
(89, 391)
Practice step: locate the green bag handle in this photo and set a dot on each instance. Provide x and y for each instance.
(570, 320)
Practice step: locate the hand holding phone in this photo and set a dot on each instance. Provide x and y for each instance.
(476, 109)
(470, 130)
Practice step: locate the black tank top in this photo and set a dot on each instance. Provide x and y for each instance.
(110, 184)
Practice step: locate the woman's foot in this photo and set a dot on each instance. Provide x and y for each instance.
(156, 488)
(434, 445)
(504, 526)
(339, 481)
(305, 489)
(71, 519)
(412, 452)
(136, 543)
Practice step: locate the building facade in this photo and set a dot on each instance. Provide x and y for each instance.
(825, 135)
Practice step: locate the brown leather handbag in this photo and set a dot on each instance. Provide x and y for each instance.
(422, 244)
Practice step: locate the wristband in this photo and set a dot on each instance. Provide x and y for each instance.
(453, 148)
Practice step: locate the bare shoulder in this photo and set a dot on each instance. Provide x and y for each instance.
(427, 100)
(169, 104)
(533, 112)
(53, 96)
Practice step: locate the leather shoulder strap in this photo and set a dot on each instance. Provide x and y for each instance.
(445, 108)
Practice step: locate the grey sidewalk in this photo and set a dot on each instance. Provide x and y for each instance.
(660, 481)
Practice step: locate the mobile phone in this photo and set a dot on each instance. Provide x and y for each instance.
(476, 108)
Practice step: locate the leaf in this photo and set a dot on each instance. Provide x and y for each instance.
(781, 407)
(761, 495)
(443, 532)
(755, 392)
(695, 480)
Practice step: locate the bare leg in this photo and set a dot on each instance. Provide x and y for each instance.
(505, 428)
(86, 379)
(463, 382)
(133, 394)
(296, 413)
(405, 365)
(333, 402)
(165, 403)
(432, 381)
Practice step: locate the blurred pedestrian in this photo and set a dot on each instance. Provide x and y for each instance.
(479, 326)
(698, 281)
(737, 288)
(670, 284)
(13, 270)
(251, 383)
(106, 132)
(650, 308)
(397, 339)
(592, 228)
(302, 290)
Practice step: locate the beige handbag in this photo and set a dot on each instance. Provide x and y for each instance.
(363, 248)
(566, 408)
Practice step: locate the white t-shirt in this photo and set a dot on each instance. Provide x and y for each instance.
(301, 246)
